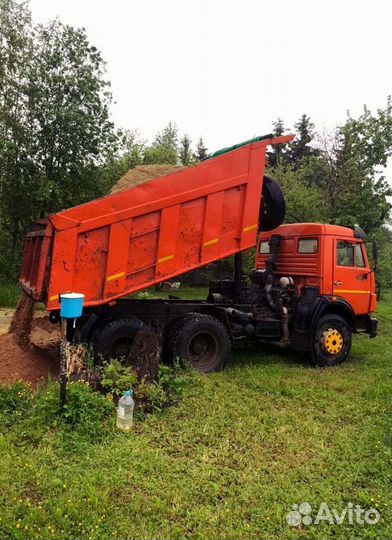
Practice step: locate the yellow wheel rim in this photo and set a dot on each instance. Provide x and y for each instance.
(332, 341)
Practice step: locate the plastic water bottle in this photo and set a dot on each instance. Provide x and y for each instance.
(125, 411)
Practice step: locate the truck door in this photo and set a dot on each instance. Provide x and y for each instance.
(352, 274)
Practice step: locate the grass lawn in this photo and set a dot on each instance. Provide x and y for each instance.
(184, 293)
(230, 460)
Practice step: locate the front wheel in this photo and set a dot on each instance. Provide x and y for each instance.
(331, 342)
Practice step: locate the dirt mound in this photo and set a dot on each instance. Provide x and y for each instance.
(143, 173)
(45, 336)
(21, 321)
(25, 363)
(30, 350)
(5, 319)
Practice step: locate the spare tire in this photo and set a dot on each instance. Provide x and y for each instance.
(273, 206)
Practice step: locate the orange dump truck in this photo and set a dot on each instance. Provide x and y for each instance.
(128, 241)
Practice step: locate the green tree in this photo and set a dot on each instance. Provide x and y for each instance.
(55, 132)
(201, 150)
(303, 202)
(185, 151)
(301, 148)
(18, 171)
(128, 153)
(69, 104)
(277, 155)
(368, 138)
(356, 191)
(383, 237)
(164, 149)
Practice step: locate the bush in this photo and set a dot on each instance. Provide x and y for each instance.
(85, 409)
(149, 397)
(87, 415)
(117, 378)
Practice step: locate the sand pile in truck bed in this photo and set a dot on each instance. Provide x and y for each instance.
(30, 349)
(143, 173)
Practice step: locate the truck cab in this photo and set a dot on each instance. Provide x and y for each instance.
(328, 270)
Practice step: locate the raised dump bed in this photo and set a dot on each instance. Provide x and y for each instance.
(128, 241)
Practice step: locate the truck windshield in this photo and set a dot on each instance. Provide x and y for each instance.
(359, 259)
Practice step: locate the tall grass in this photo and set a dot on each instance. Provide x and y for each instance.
(9, 294)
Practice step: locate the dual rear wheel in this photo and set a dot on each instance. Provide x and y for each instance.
(196, 339)
(199, 340)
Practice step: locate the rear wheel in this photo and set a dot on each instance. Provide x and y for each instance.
(331, 341)
(170, 334)
(273, 206)
(200, 340)
(114, 339)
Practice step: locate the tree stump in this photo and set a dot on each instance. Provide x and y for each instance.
(145, 353)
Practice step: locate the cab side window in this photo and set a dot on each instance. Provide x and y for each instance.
(359, 259)
(308, 245)
(345, 255)
(264, 248)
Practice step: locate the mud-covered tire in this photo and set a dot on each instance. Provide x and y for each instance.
(273, 206)
(331, 342)
(199, 340)
(113, 340)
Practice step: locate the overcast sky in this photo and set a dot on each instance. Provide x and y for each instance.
(226, 69)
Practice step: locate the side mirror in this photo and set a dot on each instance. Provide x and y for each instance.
(359, 233)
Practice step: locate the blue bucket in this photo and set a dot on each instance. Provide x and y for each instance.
(71, 305)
